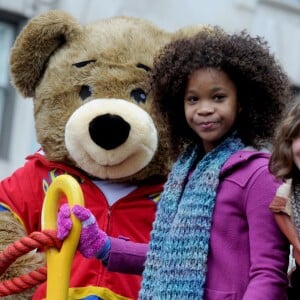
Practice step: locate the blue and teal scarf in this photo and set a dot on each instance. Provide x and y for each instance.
(176, 262)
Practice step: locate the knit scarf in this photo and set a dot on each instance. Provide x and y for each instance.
(176, 261)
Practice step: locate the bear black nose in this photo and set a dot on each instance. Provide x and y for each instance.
(109, 131)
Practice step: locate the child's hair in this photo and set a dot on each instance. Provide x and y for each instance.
(262, 85)
(282, 162)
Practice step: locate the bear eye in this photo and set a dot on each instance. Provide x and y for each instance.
(138, 95)
(83, 63)
(85, 92)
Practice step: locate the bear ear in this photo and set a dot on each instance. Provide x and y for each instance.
(38, 40)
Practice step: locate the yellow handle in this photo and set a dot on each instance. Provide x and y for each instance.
(59, 262)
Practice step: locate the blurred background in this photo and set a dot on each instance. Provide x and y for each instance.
(278, 21)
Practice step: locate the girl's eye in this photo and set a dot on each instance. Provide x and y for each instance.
(219, 97)
(191, 99)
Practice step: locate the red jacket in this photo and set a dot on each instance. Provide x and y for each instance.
(131, 217)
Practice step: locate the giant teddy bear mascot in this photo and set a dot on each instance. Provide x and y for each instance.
(94, 121)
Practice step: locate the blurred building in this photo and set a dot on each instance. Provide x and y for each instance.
(278, 21)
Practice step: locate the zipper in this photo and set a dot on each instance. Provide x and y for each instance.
(108, 215)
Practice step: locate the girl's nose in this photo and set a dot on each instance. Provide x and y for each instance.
(205, 109)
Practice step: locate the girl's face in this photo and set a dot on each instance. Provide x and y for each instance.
(296, 151)
(210, 105)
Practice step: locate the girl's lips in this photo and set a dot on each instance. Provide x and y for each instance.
(207, 125)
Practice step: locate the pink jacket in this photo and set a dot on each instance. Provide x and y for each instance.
(248, 255)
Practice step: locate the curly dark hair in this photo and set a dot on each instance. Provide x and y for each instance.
(262, 86)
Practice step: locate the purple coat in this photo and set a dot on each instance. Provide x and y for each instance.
(248, 257)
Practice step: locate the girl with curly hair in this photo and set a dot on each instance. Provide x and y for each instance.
(214, 236)
(285, 165)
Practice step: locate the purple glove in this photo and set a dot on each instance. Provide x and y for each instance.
(93, 241)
